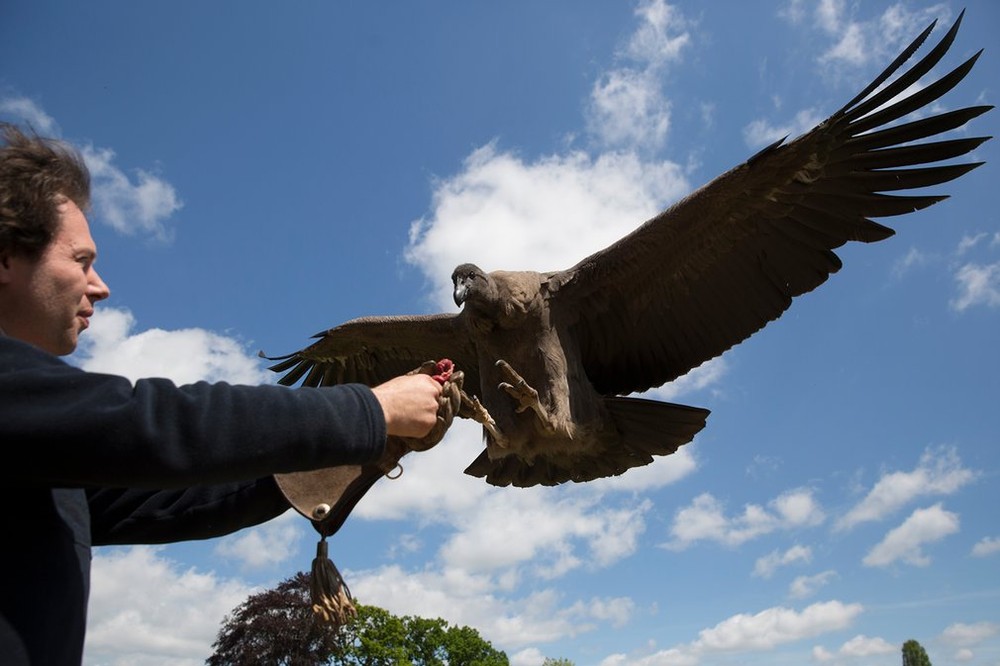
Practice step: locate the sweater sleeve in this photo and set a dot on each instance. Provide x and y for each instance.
(129, 516)
(72, 428)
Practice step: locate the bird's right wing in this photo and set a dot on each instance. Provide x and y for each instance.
(727, 259)
(372, 350)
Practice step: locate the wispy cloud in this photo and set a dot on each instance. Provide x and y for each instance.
(628, 109)
(857, 43)
(273, 543)
(939, 472)
(26, 110)
(135, 207)
(759, 133)
(807, 586)
(767, 565)
(978, 284)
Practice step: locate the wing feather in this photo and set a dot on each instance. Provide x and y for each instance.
(727, 259)
(371, 350)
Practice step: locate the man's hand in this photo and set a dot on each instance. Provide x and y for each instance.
(410, 404)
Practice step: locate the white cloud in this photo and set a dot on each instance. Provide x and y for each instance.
(978, 284)
(759, 133)
(939, 472)
(821, 654)
(433, 484)
(905, 542)
(857, 43)
(503, 212)
(704, 519)
(986, 546)
(471, 600)
(776, 626)
(135, 593)
(914, 258)
(966, 635)
(864, 646)
(706, 375)
(141, 207)
(527, 657)
(131, 208)
(274, 542)
(767, 565)
(967, 243)
(184, 356)
(761, 631)
(661, 36)
(627, 107)
(556, 531)
(850, 48)
(806, 586)
(30, 113)
(663, 471)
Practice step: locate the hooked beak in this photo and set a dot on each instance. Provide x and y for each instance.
(460, 292)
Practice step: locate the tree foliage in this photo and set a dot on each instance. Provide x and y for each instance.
(914, 654)
(275, 627)
(278, 627)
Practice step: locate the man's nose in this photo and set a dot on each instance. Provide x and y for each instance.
(97, 290)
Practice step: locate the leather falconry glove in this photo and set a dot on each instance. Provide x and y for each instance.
(327, 496)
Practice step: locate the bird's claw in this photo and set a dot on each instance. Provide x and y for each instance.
(475, 410)
(526, 396)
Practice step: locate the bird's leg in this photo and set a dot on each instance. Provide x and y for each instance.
(525, 395)
(473, 409)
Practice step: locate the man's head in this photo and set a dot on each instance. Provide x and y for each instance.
(48, 284)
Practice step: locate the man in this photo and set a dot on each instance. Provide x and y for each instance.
(90, 459)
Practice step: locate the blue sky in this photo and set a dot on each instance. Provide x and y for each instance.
(264, 171)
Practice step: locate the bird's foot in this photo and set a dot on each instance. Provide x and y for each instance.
(526, 397)
(475, 410)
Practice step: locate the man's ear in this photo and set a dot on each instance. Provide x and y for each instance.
(6, 266)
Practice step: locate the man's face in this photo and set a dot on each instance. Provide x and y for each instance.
(49, 300)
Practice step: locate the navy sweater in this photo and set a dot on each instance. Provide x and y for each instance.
(90, 459)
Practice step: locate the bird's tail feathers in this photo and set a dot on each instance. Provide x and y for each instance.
(653, 427)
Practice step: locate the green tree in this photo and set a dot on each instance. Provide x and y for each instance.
(914, 654)
(278, 627)
(379, 638)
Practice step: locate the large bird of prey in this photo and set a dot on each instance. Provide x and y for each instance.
(551, 358)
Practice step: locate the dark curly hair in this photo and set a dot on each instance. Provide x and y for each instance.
(37, 175)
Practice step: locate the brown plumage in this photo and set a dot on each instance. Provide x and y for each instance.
(551, 356)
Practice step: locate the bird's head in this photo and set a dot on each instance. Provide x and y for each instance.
(471, 284)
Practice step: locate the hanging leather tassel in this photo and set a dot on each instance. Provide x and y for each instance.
(331, 598)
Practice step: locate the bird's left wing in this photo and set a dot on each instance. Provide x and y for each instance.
(719, 265)
(371, 350)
